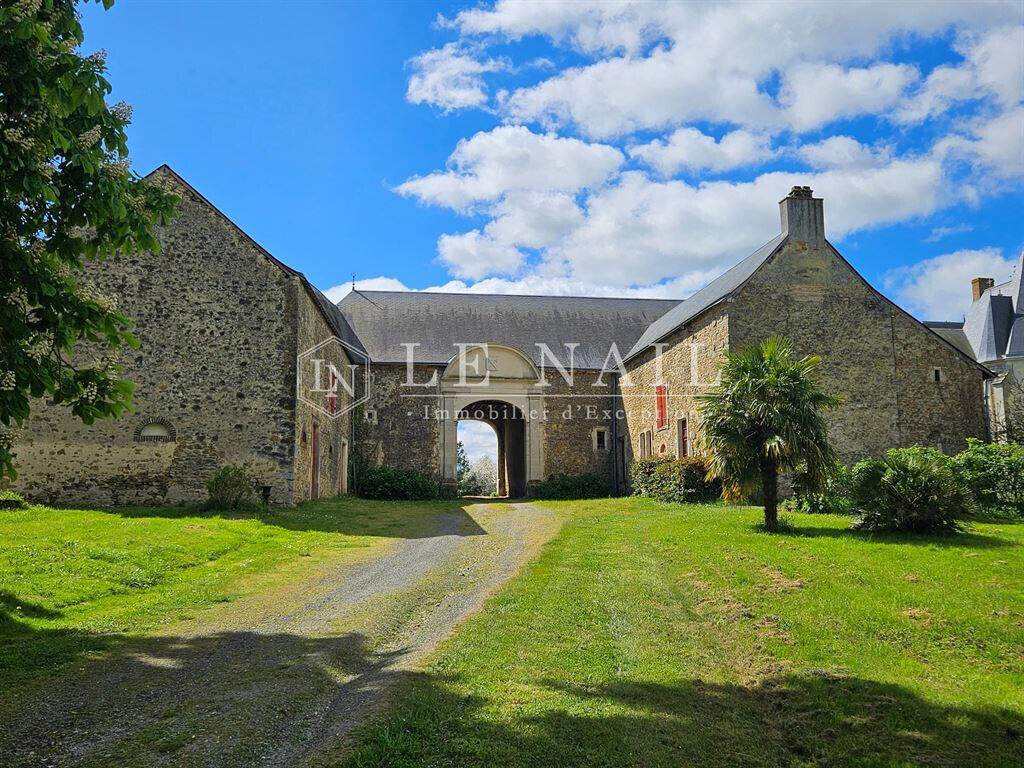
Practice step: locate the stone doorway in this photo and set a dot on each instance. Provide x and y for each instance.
(509, 424)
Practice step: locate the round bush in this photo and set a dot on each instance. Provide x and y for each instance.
(911, 490)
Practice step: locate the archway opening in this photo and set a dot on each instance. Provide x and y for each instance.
(509, 427)
(476, 468)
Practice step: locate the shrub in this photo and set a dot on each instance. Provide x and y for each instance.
(11, 500)
(229, 488)
(641, 474)
(392, 483)
(911, 489)
(994, 473)
(681, 480)
(833, 498)
(572, 487)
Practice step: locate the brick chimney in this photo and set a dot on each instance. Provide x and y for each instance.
(803, 216)
(979, 285)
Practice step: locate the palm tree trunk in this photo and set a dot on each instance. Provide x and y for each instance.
(770, 489)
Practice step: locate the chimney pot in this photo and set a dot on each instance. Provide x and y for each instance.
(979, 285)
(803, 215)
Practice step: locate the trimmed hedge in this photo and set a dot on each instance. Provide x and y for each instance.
(391, 483)
(584, 486)
(680, 480)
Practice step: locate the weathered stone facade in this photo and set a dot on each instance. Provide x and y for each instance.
(231, 341)
(688, 363)
(219, 325)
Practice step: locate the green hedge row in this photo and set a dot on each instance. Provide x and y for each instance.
(683, 479)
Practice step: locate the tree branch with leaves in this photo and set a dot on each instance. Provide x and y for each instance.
(67, 197)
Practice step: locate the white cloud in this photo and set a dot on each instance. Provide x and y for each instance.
(938, 233)
(492, 163)
(940, 288)
(816, 94)
(843, 152)
(337, 292)
(991, 67)
(709, 61)
(474, 254)
(996, 143)
(478, 438)
(691, 149)
(450, 78)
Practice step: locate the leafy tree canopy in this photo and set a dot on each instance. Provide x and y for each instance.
(67, 197)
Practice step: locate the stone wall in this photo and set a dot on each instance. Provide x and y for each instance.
(314, 410)
(215, 322)
(573, 413)
(690, 363)
(403, 431)
(874, 355)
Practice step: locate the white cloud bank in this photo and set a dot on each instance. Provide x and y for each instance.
(940, 288)
(578, 181)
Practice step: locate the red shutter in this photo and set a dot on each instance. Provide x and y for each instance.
(332, 394)
(661, 405)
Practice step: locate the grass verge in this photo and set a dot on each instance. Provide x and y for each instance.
(651, 634)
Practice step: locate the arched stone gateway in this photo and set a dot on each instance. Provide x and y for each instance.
(509, 425)
(500, 385)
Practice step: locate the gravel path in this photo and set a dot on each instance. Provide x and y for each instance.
(281, 677)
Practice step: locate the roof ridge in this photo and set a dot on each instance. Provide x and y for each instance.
(519, 295)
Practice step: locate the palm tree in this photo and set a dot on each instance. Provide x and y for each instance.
(766, 416)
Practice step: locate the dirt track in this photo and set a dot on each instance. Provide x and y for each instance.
(280, 677)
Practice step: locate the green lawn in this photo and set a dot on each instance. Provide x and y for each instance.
(650, 634)
(75, 582)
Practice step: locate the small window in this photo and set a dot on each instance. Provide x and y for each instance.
(661, 405)
(600, 439)
(646, 444)
(371, 415)
(682, 438)
(332, 394)
(937, 375)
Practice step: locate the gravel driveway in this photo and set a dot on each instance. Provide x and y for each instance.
(280, 677)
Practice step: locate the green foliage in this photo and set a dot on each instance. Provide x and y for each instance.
(832, 497)
(11, 500)
(583, 486)
(911, 490)
(230, 487)
(468, 483)
(393, 483)
(641, 474)
(679, 480)
(765, 417)
(994, 472)
(67, 197)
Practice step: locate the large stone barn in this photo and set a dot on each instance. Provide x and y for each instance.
(242, 361)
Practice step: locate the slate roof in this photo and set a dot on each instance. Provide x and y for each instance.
(384, 320)
(953, 333)
(994, 326)
(717, 290)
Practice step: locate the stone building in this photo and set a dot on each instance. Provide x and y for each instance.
(993, 334)
(236, 349)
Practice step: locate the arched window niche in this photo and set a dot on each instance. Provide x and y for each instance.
(155, 431)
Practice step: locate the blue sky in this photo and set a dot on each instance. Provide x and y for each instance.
(605, 148)
(594, 148)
